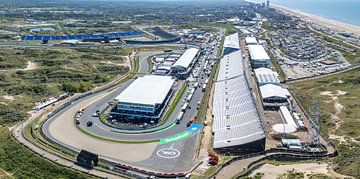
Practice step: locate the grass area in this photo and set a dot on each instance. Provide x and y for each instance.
(318, 176)
(80, 27)
(150, 64)
(266, 25)
(209, 27)
(57, 71)
(20, 162)
(209, 171)
(229, 29)
(220, 50)
(175, 102)
(256, 176)
(292, 174)
(348, 161)
(278, 68)
(114, 140)
(198, 26)
(136, 68)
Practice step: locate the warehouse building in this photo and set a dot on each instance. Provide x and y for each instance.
(237, 126)
(274, 96)
(266, 76)
(258, 56)
(145, 99)
(251, 41)
(231, 43)
(184, 64)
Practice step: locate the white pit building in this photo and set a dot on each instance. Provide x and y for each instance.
(145, 99)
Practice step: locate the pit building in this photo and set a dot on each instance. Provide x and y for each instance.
(145, 99)
(182, 67)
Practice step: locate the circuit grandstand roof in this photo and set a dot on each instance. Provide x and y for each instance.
(257, 52)
(270, 90)
(266, 76)
(233, 59)
(232, 41)
(236, 120)
(185, 60)
(150, 90)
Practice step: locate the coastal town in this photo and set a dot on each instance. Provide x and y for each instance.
(172, 89)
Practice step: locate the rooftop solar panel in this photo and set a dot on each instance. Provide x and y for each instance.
(38, 37)
(46, 37)
(72, 37)
(57, 38)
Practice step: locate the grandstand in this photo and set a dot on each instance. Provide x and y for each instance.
(165, 38)
(231, 43)
(85, 37)
(163, 34)
(237, 126)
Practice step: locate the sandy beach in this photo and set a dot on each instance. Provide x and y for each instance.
(321, 20)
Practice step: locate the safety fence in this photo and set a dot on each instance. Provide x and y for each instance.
(278, 154)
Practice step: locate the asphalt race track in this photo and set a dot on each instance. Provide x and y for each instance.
(175, 156)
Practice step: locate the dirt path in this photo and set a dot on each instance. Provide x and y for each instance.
(30, 66)
(4, 174)
(9, 98)
(334, 117)
(125, 63)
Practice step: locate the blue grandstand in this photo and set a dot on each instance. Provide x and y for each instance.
(83, 37)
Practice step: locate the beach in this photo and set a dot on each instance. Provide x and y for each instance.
(333, 24)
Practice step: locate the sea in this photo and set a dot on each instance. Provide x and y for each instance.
(347, 11)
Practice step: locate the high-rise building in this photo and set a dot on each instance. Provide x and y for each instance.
(268, 4)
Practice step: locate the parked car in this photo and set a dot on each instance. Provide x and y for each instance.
(89, 123)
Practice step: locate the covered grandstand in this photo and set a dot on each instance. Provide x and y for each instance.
(237, 126)
(231, 43)
(183, 65)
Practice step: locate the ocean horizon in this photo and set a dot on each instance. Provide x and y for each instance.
(346, 11)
